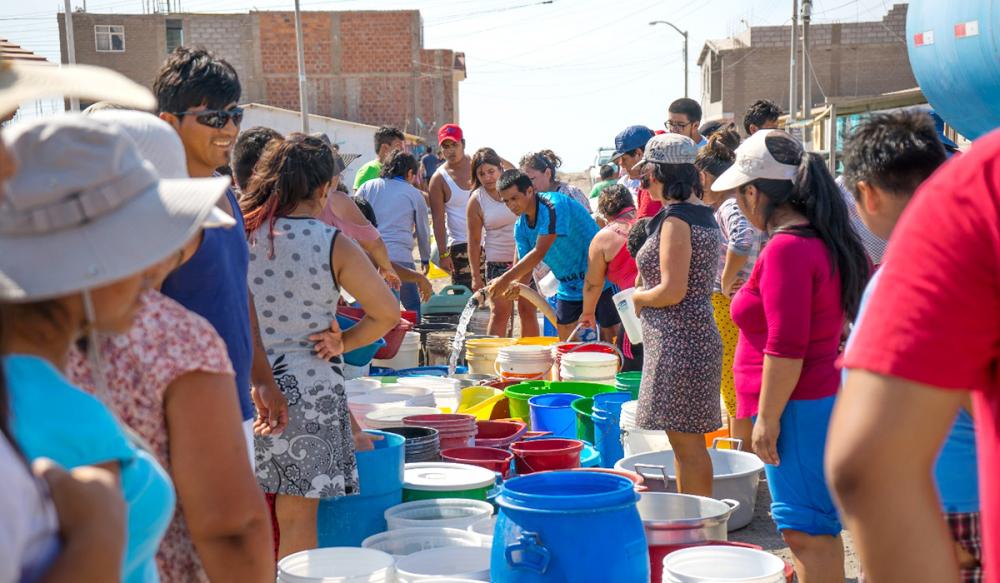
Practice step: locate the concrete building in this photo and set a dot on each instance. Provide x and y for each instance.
(367, 67)
(856, 59)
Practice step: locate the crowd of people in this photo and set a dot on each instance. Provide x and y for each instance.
(172, 340)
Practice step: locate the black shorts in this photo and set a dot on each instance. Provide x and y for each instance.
(568, 311)
(462, 272)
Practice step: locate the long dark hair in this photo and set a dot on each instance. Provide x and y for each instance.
(815, 195)
(288, 173)
(679, 180)
(541, 161)
(398, 165)
(481, 157)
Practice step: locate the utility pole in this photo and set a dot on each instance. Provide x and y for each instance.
(303, 96)
(685, 35)
(806, 64)
(793, 97)
(74, 103)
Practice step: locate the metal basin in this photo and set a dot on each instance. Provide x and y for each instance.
(736, 475)
(672, 519)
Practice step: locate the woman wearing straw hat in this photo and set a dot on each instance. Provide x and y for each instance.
(297, 265)
(97, 216)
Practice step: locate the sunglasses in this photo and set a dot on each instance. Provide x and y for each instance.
(216, 118)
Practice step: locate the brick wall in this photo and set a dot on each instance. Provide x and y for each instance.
(365, 66)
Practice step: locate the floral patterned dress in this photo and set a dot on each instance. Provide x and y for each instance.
(296, 296)
(682, 346)
(166, 343)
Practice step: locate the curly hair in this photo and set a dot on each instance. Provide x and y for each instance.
(637, 237)
(541, 161)
(613, 200)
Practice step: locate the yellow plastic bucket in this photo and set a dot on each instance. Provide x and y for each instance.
(481, 353)
(479, 401)
(538, 340)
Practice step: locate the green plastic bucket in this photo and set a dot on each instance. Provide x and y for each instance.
(629, 381)
(429, 480)
(518, 395)
(584, 408)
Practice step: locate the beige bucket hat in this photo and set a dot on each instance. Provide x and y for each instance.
(23, 82)
(86, 209)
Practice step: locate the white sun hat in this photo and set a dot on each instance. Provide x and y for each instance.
(754, 161)
(158, 143)
(24, 82)
(85, 209)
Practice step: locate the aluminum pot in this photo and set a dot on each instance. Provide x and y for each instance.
(673, 519)
(736, 475)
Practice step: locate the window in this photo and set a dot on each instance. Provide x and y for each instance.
(715, 82)
(175, 35)
(109, 38)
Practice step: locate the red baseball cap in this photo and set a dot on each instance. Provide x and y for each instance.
(449, 131)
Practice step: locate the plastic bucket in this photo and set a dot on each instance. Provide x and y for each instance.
(583, 407)
(711, 563)
(658, 552)
(499, 434)
(393, 416)
(484, 530)
(538, 340)
(337, 565)
(481, 353)
(607, 439)
(626, 312)
(548, 525)
(563, 348)
(635, 478)
(495, 460)
(454, 430)
(554, 412)
(439, 513)
(610, 404)
(527, 362)
(589, 367)
(432, 480)
(629, 382)
(348, 520)
(422, 443)
(479, 401)
(416, 396)
(406, 541)
(518, 395)
(589, 457)
(464, 562)
(407, 353)
(541, 455)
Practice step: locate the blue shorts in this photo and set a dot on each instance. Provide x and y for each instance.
(800, 499)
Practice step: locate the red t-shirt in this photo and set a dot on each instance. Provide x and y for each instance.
(790, 308)
(647, 206)
(935, 317)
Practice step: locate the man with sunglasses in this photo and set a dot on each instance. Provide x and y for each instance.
(684, 118)
(197, 94)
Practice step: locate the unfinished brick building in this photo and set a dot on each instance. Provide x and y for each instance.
(365, 66)
(854, 59)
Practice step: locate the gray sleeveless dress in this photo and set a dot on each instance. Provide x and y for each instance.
(296, 296)
(681, 343)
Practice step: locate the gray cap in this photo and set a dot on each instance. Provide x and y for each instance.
(670, 149)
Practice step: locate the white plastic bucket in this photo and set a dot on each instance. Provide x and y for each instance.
(591, 367)
(439, 512)
(464, 562)
(710, 564)
(445, 390)
(524, 362)
(635, 440)
(626, 312)
(393, 416)
(362, 405)
(408, 355)
(548, 286)
(416, 396)
(481, 353)
(484, 530)
(406, 541)
(337, 565)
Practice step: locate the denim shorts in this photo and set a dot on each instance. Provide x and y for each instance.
(800, 498)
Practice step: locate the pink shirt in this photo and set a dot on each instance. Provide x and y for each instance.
(934, 317)
(789, 308)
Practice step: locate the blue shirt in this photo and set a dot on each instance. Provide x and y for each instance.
(955, 472)
(213, 284)
(53, 419)
(574, 229)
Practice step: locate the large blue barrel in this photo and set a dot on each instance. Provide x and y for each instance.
(563, 527)
(955, 54)
(346, 521)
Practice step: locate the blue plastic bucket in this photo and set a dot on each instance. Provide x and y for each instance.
(608, 439)
(560, 527)
(346, 521)
(437, 370)
(359, 356)
(589, 456)
(610, 404)
(554, 412)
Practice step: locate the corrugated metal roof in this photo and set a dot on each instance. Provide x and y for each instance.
(14, 52)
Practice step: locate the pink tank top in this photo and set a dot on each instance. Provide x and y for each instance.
(622, 269)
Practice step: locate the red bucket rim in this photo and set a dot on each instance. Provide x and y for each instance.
(556, 445)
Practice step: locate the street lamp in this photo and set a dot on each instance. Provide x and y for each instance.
(685, 35)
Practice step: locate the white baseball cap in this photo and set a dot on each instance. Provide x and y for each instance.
(753, 161)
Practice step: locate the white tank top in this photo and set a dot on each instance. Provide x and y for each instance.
(454, 210)
(498, 222)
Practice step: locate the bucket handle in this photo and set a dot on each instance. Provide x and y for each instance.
(662, 470)
(733, 505)
(533, 555)
(496, 368)
(582, 345)
(737, 443)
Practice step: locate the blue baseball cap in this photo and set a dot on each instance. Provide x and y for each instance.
(631, 138)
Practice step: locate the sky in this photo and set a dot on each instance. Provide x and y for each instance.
(566, 76)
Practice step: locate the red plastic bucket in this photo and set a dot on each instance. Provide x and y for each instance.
(454, 430)
(541, 455)
(495, 460)
(658, 552)
(393, 338)
(499, 433)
